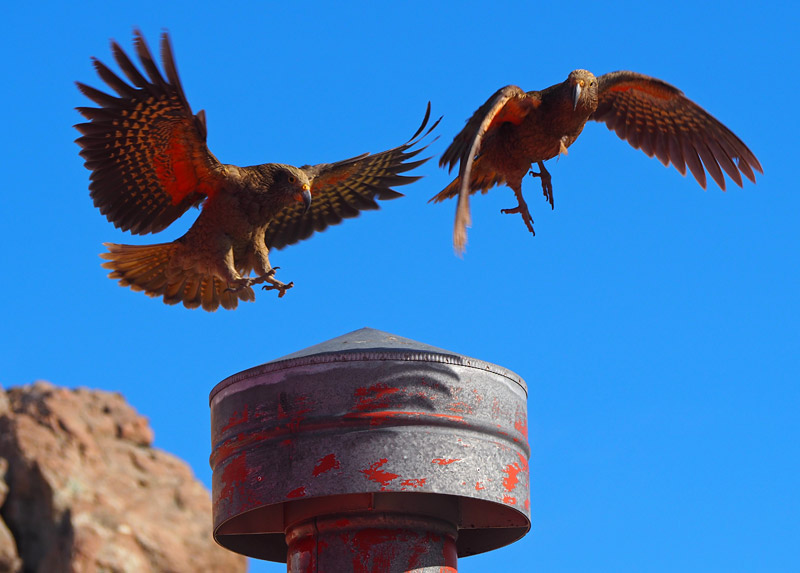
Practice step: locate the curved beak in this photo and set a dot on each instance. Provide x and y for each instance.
(576, 95)
(305, 197)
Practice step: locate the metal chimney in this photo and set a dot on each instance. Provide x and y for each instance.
(372, 453)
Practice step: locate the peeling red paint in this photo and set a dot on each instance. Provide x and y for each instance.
(413, 482)
(444, 461)
(305, 545)
(366, 542)
(326, 464)
(461, 408)
(392, 416)
(419, 550)
(374, 397)
(425, 544)
(234, 488)
(479, 486)
(496, 408)
(523, 462)
(378, 475)
(234, 475)
(512, 479)
(521, 424)
(235, 420)
(296, 412)
(299, 492)
(527, 505)
(510, 500)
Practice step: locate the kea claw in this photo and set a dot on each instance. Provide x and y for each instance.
(279, 286)
(522, 209)
(274, 284)
(547, 186)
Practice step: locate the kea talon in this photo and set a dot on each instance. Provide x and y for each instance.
(547, 185)
(239, 284)
(522, 209)
(279, 286)
(274, 284)
(266, 277)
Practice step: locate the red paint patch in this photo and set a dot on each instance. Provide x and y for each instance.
(235, 420)
(376, 547)
(521, 425)
(390, 417)
(512, 479)
(374, 397)
(460, 408)
(299, 492)
(413, 483)
(479, 486)
(303, 545)
(375, 474)
(510, 500)
(326, 464)
(233, 476)
(444, 462)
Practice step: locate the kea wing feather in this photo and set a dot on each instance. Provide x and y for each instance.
(146, 150)
(343, 189)
(659, 119)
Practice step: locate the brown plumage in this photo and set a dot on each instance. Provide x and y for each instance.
(515, 129)
(149, 161)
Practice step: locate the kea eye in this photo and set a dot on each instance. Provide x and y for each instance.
(292, 179)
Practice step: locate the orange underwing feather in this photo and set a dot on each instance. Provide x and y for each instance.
(514, 111)
(146, 149)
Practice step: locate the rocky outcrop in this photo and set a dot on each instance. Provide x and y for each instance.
(82, 490)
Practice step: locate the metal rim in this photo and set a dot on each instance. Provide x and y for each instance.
(368, 356)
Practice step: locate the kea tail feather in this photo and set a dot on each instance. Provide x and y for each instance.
(157, 271)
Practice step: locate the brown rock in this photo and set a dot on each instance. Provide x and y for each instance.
(87, 492)
(9, 559)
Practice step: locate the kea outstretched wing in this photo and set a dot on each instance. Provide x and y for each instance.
(343, 189)
(508, 104)
(657, 118)
(146, 150)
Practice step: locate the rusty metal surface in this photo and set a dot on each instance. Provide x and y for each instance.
(372, 542)
(370, 421)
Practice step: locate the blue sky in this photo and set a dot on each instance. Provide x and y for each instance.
(655, 323)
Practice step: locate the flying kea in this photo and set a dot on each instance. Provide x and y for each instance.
(149, 161)
(515, 129)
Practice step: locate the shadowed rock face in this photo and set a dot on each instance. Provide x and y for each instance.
(81, 489)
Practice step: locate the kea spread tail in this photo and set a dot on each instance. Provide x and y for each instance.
(159, 270)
